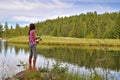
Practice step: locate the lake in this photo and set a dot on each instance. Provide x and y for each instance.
(82, 60)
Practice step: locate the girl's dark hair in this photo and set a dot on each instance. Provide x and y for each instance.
(32, 27)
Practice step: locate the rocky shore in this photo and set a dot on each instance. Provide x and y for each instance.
(43, 76)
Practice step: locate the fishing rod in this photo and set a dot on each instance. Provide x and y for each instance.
(40, 38)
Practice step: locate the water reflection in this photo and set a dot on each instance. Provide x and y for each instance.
(103, 61)
(85, 57)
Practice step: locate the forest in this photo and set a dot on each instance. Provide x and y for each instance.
(89, 25)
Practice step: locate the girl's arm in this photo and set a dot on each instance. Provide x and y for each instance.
(36, 37)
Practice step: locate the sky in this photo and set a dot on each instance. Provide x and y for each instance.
(25, 12)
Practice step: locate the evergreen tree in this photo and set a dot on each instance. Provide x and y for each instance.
(6, 30)
(115, 32)
(18, 30)
(90, 25)
(1, 30)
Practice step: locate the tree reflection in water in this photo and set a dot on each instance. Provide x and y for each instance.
(104, 61)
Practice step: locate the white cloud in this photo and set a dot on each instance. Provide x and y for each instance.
(25, 19)
(24, 8)
(39, 10)
(27, 5)
(59, 4)
(15, 5)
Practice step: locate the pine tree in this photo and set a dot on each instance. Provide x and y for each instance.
(1, 30)
(6, 30)
(115, 32)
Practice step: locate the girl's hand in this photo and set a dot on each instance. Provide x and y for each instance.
(37, 37)
(37, 41)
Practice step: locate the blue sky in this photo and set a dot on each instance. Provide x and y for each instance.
(24, 12)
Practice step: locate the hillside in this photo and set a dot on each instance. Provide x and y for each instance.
(90, 25)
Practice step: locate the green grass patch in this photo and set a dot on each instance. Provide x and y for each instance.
(50, 40)
(60, 73)
(20, 39)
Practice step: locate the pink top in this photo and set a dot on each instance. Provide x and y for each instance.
(31, 37)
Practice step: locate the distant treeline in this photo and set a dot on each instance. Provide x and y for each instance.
(89, 25)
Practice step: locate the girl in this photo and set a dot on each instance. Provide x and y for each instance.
(32, 44)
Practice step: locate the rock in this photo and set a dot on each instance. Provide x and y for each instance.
(20, 75)
(11, 78)
(44, 76)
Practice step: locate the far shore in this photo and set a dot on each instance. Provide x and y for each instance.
(50, 40)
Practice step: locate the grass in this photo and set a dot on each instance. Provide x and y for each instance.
(20, 39)
(60, 73)
(50, 40)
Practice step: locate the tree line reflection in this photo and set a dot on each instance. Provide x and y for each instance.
(90, 58)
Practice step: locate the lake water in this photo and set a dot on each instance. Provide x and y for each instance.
(83, 60)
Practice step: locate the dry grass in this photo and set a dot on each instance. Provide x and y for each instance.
(50, 40)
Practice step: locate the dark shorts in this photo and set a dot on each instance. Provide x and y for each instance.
(33, 51)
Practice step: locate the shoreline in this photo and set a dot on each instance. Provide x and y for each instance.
(71, 44)
(68, 41)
